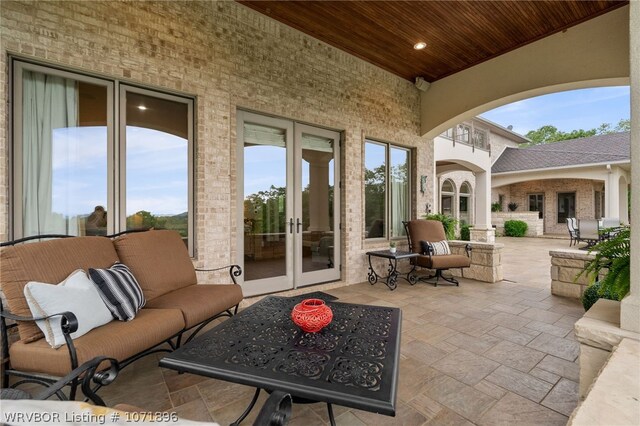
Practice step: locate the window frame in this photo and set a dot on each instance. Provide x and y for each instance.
(116, 166)
(387, 204)
(559, 194)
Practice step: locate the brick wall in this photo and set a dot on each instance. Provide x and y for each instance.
(583, 188)
(229, 57)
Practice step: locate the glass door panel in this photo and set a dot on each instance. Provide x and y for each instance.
(267, 209)
(316, 193)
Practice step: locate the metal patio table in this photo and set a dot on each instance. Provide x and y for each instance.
(391, 280)
(352, 362)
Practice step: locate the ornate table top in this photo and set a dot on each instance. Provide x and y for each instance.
(397, 255)
(352, 362)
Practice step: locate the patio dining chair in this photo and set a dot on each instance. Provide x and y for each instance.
(573, 231)
(589, 232)
(612, 225)
(427, 238)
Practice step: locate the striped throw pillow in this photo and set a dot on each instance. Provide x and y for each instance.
(119, 290)
(440, 247)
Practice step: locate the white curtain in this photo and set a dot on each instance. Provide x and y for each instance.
(399, 206)
(49, 103)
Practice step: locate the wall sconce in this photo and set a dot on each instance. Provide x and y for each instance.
(423, 183)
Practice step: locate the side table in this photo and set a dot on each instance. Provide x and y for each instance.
(391, 280)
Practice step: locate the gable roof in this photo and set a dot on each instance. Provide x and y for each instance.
(613, 147)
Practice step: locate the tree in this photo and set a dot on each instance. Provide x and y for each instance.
(549, 133)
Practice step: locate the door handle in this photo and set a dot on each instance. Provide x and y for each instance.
(298, 225)
(291, 225)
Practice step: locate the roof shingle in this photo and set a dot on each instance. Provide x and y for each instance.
(611, 147)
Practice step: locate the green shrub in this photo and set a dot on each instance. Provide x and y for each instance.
(448, 223)
(515, 228)
(496, 207)
(465, 232)
(592, 294)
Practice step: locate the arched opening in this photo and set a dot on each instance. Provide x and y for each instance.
(447, 197)
(465, 203)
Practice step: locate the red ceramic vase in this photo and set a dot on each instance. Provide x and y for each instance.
(311, 315)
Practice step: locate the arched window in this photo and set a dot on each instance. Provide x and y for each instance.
(464, 206)
(447, 195)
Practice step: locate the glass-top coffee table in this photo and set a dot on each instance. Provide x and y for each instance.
(352, 362)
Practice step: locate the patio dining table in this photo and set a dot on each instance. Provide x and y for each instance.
(352, 362)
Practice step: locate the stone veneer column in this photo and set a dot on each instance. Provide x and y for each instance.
(630, 308)
(482, 229)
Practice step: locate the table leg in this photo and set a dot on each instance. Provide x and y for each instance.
(392, 279)
(411, 276)
(372, 276)
(332, 420)
(248, 409)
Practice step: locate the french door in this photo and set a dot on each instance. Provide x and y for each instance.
(288, 203)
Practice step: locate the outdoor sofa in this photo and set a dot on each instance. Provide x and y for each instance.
(176, 305)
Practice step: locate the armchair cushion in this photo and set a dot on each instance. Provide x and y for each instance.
(119, 290)
(75, 294)
(444, 261)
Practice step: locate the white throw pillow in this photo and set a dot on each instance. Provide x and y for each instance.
(76, 294)
(440, 247)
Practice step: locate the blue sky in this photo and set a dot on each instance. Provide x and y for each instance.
(156, 171)
(570, 110)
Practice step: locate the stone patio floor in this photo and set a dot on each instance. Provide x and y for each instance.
(480, 353)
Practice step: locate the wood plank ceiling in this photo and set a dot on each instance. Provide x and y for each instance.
(459, 34)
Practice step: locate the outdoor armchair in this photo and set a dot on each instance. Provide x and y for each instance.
(423, 236)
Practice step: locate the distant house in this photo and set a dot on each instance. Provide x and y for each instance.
(586, 178)
(460, 153)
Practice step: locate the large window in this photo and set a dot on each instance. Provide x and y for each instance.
(536, 204)
(447, 194)
(76, 173)
(464, 206)
(566, 206)
(387, 189)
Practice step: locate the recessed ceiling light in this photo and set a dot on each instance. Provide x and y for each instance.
(142, 107)
(420, 45)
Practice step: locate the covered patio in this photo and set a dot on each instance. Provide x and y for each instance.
(481, 354)
(294, 78)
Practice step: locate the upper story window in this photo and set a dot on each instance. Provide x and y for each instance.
(480, 138)
(77, 173)
(387, 189)
(463, 133)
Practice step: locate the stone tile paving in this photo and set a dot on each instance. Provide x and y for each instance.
(480, 353)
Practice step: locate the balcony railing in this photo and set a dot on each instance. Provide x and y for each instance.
(476, 141)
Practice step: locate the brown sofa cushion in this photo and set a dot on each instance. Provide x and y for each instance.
(445, 261)
(200, 302)
(119, 340)
(48, 262)
(425, 230)
(158, 259)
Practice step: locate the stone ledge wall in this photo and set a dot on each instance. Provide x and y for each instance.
(486, 261)
(534, 223)
(566, 264)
